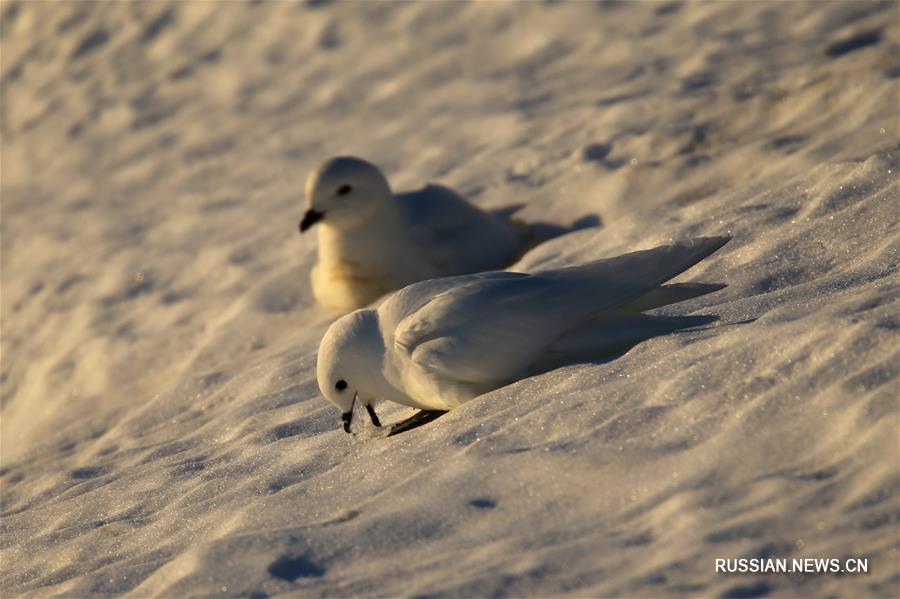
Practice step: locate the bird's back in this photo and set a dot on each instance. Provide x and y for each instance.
(454, 236)
(484, 331)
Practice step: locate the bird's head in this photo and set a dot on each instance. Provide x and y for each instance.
(344, 192)
(349, 365)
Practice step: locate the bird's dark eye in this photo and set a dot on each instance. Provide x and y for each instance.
(344, 190)
(340, 385)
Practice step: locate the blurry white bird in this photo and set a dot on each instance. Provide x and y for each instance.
(440, 343)
(372, 242)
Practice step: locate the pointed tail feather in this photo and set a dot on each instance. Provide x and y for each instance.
(506, 212)
(605, 285)
(533, 234)
(670, 294)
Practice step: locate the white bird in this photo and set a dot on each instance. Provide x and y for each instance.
(372, 242)
(437, 344)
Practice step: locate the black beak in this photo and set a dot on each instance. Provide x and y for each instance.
(347, 417)
(310, 218)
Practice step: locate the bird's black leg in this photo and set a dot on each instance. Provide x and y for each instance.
(415, 421)
(373, 415)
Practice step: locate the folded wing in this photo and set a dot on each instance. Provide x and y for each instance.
(489, 330)
(456, 236)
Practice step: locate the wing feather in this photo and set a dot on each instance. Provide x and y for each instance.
(489, 330)
(456, 236)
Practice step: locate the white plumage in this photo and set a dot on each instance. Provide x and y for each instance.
(437, 344)
(372, 242)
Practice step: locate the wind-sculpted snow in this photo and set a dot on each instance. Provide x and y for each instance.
(162, 429)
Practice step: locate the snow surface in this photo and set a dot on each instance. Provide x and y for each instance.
(162, 433)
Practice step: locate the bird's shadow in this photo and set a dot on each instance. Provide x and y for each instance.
(714, 324)
(425, 416)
